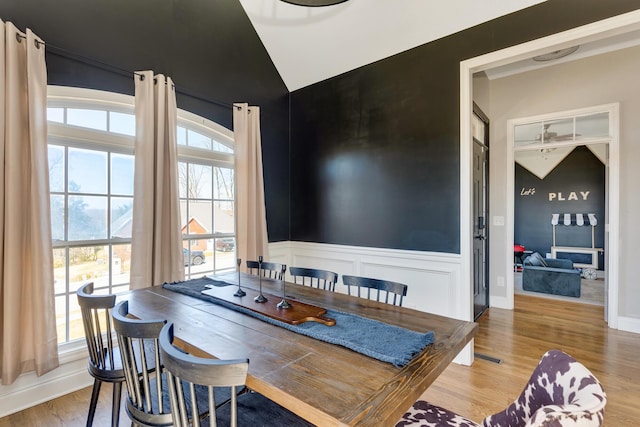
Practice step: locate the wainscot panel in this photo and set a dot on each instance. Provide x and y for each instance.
(433, 278)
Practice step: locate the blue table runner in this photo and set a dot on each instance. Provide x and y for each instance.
(382, 341)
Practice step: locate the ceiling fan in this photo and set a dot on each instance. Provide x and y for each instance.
(314, 3)
(549, 136)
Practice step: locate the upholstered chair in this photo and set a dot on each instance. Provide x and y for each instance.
(560, 393)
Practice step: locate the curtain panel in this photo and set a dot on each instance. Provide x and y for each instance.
(156, 240)
(28, 338)
(251, 230)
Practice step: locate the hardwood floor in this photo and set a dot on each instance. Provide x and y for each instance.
(518, 338)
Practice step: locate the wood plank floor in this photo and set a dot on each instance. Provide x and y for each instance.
(518, 338)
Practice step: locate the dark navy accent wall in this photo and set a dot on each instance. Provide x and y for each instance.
(208, 47)
(372, 165)
(580, 171)
(375, 152)
(374, 155)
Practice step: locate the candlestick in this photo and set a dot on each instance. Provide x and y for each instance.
(260, 298)
(239, 292)
(284, 304)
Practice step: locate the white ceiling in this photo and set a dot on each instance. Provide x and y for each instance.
(311, 44)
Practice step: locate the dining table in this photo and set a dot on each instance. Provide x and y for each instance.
(326, 384)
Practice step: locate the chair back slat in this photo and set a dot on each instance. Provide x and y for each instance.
(390, 292)
(109, 338)
(321, 279)
(194, 403)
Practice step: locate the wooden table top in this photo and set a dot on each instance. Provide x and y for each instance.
(324, 383)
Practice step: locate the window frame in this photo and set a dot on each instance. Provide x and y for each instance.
(73, 136)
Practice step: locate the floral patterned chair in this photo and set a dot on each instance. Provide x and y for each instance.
(560, 393)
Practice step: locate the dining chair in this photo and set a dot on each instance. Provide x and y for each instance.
(272, 270)
(140, 355)
(148, 401)
(184, 371)
(321, 279)
(393, 292)
(104, 364)
(561, 392)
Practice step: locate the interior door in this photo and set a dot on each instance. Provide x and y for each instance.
(480, 210)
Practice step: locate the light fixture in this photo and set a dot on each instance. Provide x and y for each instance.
(556, 54)
(314, 3)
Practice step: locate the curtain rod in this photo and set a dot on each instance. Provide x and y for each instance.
(59, 51)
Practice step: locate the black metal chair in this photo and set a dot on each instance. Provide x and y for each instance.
(272, 270)
(185, 371)
(393, 292)
(105, 364)
(321, 279)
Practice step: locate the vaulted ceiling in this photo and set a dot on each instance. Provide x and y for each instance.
(311, 44)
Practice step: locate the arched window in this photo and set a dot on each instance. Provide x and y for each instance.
(91, 169)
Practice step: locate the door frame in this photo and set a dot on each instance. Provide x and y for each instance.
(595, 31)
(477, 111)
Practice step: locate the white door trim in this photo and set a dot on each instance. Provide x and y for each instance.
(595, 31)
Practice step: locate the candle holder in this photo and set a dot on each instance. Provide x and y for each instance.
(239, 292)
(284, 304)
(260, 298)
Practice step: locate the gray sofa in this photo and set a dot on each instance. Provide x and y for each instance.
(551, 276)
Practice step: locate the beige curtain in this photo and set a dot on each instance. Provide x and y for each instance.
(28, 339)
(156, 240)
(251, 232)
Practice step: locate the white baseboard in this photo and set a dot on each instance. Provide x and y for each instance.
(30, 390)
(629, 324)
(500, 302)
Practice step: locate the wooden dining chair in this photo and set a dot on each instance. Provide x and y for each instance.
(321, 279)
(185, 371)
(105, 364)
(380, 290)
(140, 355)
(272, 270)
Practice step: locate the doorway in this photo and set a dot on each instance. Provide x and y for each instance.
(480, 209)
(560, 197)
(501, 218)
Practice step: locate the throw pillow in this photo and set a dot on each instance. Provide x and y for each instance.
(543, 262)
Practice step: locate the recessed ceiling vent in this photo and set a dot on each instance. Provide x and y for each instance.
(557, 54)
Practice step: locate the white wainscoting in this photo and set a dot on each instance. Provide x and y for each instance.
(433, 278)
